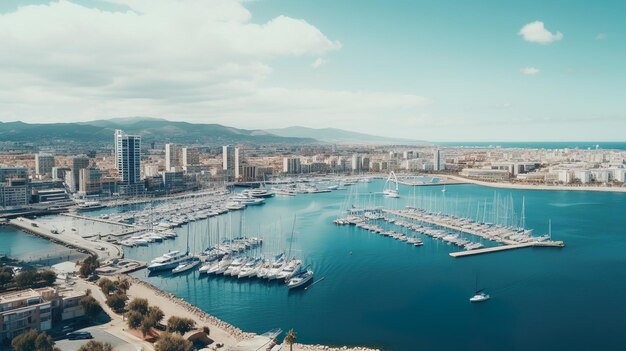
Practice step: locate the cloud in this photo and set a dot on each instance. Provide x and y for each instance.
(318, 62)
(529, 71)
(197, 60)
(535, 32)
(600, 36)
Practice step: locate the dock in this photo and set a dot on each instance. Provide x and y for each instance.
(97, 219)
(507, 243)
(505, 248)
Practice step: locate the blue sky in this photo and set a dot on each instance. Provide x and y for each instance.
(434, 70)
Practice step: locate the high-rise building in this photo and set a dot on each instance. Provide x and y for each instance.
(44, 164)
(14, 190)
(130, 151)
(130, 166)
(228, 161)
(117, 144)
(90, 181)
(239, 161)
(190, 156)
(78, 163)
(172, 157)
(291, 165)
(438, 161)
(356, 163)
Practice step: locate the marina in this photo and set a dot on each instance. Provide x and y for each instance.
(340, 255)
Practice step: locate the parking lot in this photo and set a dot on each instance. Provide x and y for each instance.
(99, 334)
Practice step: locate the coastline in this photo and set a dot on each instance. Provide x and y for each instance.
(505, 185)
(221, 331)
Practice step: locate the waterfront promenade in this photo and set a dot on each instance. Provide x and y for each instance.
(519, 186)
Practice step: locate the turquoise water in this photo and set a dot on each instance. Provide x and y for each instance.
(17, 244)
(384, 293)
(606, 145)
(380, 292)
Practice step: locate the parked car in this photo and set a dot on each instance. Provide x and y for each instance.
(80, 335)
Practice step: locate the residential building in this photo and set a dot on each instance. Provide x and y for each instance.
(78, 163)
(38, 309)
(291, 165)
(59, 172)
(44, 164)
(172, 157)
(190, 156)
(228, 161)
(130, 165)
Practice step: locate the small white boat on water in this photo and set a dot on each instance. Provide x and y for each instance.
(480, 296)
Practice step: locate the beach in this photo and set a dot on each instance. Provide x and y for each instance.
(506, 185)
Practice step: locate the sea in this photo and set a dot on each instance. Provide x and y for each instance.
(383, 293)
(583, 145)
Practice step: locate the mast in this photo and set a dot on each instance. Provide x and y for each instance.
(293, 228)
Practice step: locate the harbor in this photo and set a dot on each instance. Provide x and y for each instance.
(338, 255)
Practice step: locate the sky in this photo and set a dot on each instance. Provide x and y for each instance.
(433, 70)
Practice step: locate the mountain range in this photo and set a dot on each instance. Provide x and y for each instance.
(161, 130)
(339, 136)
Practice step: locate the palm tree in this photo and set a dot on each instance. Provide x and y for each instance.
(291, 338)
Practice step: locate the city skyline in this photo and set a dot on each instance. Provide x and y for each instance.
(420, 70)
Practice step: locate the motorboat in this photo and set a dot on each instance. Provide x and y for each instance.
(168, 261)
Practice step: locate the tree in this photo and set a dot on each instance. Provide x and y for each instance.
(146, 327)
(6, 275)
(180, 325)
(93, 345)
(291, 338)
(117, 301)
(48, 277)
(155, 315)
(106, 285)
(172, 342)
(122, 284)
(33, 340)
(140, 305)
(134, 319)
(25, 278)
(89, 265)
(90, 306)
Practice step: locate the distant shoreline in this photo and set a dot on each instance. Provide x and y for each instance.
(505, 185)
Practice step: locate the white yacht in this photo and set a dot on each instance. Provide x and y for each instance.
(480, 296)
(168, 261)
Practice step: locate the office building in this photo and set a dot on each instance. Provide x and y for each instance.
(14, 190)
(438, 161)
(44, 164)
(239, 162)
(356, 163)
(228, 161)
(59, 172)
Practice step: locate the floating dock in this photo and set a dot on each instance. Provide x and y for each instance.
(507, 243)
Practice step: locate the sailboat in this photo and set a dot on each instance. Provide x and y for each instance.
(389, 190)
(479, 295)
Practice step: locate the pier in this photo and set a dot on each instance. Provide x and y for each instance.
(100, 249)
(96, 219)
(505, 248)
(498, 234)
